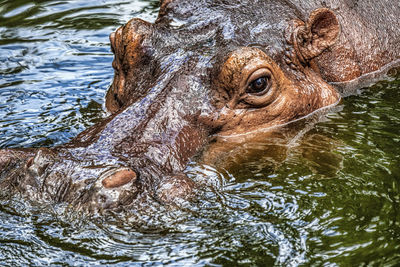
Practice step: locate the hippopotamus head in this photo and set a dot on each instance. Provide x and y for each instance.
(203, 70)
(231, 66)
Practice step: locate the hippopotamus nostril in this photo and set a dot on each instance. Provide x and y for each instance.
(114, 187)
(119, 178)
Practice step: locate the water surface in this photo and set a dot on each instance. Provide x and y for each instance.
(330, 197)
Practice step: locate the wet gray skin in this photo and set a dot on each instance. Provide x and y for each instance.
(203, 73)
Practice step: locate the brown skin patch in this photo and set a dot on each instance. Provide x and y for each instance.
(119, 178)
(285, 96)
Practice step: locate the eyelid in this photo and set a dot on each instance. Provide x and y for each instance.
(252, 69)
(264, 72)
(256, 75)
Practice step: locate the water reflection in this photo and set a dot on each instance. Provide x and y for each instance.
(264, 151)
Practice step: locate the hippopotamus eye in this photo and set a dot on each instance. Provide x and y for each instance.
(258, 86)
(258, 82)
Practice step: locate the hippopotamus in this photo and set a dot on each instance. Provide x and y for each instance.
(202, 72)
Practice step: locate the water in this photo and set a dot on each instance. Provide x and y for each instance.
(329, 198)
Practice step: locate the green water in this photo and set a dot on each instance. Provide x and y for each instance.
(329, 198)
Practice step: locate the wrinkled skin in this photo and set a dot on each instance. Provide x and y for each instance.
(203, 72)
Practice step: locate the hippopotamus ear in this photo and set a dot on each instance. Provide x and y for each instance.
(321, 31)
